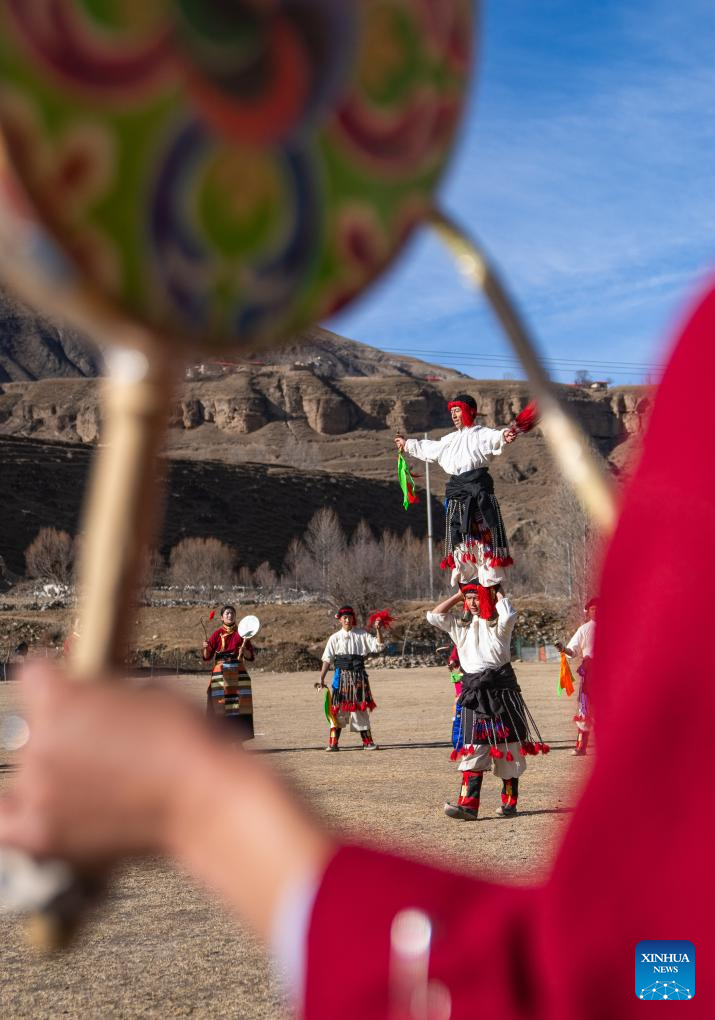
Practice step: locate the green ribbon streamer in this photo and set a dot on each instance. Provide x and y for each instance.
(407, 483)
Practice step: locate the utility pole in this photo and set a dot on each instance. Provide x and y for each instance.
(429, 530)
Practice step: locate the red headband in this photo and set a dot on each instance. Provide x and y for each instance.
(487, 598)
(468, 413)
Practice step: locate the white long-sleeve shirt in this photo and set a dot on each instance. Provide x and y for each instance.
(582, 642)
(351, 642)
(461, 450)
(480, 646)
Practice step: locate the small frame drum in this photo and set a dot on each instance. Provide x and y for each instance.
(231, 698)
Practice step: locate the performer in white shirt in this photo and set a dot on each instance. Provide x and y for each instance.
(498, 729)
(581, 646)
(349, 700)
(475, 537)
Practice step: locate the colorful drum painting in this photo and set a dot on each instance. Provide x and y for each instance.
(231, 698)
(228, 173)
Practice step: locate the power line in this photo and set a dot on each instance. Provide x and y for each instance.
(629, 367)
(506, 357)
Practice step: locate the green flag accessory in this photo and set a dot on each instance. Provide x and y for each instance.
(407, 482)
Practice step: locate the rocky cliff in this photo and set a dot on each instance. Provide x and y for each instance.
(275, 414)
(309, 402)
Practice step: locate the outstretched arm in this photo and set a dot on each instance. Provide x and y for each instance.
(423, 449)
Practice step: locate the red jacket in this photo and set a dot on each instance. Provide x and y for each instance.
(636, 861)
(223, 641)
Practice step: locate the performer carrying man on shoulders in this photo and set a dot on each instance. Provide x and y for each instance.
(350, 699)
(498, 730)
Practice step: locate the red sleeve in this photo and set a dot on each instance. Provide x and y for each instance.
(474, 953)
(214, 642)
(636, 860)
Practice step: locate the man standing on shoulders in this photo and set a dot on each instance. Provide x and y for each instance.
(474, 533)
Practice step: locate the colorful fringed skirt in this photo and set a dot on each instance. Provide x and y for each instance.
(230, 697)
(498, 731)
(351, 699)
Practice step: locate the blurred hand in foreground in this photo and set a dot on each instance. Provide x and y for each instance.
(110, 772)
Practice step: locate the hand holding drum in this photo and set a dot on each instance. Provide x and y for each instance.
(248, 627)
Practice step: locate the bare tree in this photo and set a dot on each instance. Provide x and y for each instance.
(570, 550)
(297, 565)
(360, 577)
(50, 555)
(202, 561)
(245, 577)
(325, 542)
(265, 577)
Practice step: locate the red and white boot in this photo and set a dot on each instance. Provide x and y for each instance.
(334, 738)
(467, 807)
(509, 797)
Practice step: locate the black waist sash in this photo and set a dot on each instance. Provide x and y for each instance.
(493, 708)
(478, 687)
(353, 692)
(471, 495)
(355, 663)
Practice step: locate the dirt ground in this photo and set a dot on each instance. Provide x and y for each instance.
(159, 948)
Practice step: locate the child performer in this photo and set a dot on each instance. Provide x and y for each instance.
(498, 729)
(474, 535)
(350, 699)
(581, 644)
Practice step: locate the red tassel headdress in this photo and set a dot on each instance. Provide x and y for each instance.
(487, 597)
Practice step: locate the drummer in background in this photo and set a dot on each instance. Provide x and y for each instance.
(226, 644)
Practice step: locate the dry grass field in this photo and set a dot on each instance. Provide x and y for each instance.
(160, 949)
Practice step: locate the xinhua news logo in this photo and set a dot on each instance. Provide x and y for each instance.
(665, 969)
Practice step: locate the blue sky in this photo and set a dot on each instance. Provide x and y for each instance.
(586, 166)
